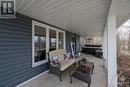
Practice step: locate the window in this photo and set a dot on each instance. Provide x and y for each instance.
(7, 7)
(44, 39)
(73, 44)
(39, 44)
(52, 39)
(61, 40)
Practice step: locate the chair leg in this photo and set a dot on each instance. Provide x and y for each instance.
(70, 78)
(70, 75)
(89, 84)
(92, 69)
(60, 76)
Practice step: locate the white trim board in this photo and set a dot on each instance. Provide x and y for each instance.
(44, 73)
(34, 64)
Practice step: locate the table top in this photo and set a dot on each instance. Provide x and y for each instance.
(79, 58)
(84, 70)
(87, 69)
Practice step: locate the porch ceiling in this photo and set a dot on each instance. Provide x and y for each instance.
(123, 11)
(83, 17)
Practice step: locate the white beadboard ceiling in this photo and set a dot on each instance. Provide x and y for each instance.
(83, 17)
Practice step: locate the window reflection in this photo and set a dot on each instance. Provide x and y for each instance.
(40, 43)
(61, 40)
(74, 43)
(52, 36)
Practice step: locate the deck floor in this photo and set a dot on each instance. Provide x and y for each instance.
(49, 80)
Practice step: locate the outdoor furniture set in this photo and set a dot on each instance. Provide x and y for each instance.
(78, 67)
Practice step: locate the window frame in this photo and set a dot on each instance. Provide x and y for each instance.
(34, 64)
(57, 37)
(54, 29)
(63, 39)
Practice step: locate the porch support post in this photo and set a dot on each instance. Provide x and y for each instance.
(112, 52)
(112, 49)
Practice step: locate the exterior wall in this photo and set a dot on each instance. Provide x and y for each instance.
(16, 51)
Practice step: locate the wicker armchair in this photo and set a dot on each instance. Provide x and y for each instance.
(61, 65)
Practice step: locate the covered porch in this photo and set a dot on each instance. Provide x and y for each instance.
(99, 77)
(41, 26)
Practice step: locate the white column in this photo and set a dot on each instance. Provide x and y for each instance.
(112, 52)
(111, 46)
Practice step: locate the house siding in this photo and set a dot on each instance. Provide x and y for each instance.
(68, 41)
(16, 51)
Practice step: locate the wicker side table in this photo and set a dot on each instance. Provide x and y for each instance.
(83, 73)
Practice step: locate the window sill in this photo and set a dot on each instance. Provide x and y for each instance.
(34, 64)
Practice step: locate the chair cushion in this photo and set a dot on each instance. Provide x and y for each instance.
(66, 63)
(59, 53)
(61, 57)
(55, 59)
(67, 56)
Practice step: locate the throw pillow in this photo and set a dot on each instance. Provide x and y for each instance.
(67, 56)
(55, 59)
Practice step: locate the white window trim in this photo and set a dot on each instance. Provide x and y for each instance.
(57, 36)
(64, 45)
(33, 54)
(34, 64)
